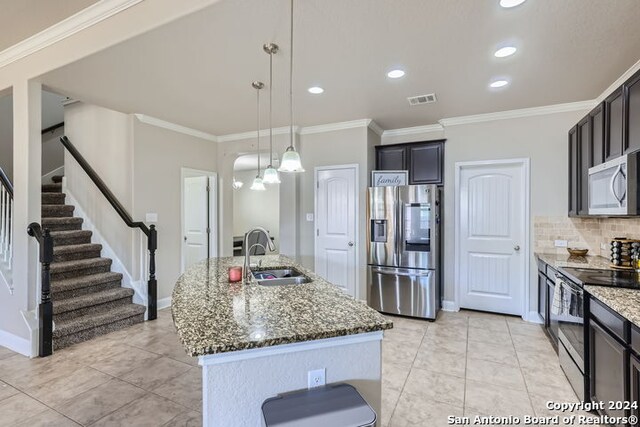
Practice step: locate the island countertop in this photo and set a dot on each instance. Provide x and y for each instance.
(213, 316)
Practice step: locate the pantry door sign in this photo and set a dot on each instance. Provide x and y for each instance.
(389, 178)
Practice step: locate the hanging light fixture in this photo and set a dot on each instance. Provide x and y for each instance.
(270, 173)
(291, 159)
(237, 184)
(257, 181)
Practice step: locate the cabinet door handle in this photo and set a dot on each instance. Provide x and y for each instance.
(516, 248)
(350, 244)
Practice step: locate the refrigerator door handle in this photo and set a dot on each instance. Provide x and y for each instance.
(402, 272)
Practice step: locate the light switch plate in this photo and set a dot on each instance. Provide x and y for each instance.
(560, 243)
(310, 217)
(152, 217)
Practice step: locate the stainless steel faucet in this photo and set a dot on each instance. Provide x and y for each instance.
(246, 272)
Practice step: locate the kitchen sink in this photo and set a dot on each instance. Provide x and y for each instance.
(276, 276)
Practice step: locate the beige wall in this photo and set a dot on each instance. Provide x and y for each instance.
(159, 155)
(6, 135)
(256, 208)
(542, 139)
(105, 139)
(228, 152)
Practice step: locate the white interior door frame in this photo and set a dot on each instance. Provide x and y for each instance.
(525, 199)
(213, 210)
(356, 168)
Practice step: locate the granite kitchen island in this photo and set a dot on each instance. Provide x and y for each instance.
(255, 342)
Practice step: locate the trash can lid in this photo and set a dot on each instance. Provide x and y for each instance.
(336, 405)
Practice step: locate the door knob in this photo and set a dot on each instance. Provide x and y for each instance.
(350, 243)
(185, 238)
(516, 248)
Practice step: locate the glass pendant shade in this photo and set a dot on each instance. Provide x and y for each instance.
(237, 184)
(291, 161)
(271, 176)
(257, 184)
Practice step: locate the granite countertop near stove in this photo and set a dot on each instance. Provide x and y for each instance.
(214, 316)
(565, 260)
(625, 302)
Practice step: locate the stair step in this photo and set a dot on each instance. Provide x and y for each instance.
(81, 267)
(83, 328)
(57, 178)
(52, 188)
(57, 211)
(71, 237)
(53, 198)
(60, 224)
(75, 252)
(95, 303)
(69, 288)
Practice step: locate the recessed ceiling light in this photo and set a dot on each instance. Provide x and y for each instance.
(498, 83)
(395, 74)
(511, 3)
(316, 90)
(505, 51)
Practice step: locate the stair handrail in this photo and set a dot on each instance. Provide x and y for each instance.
(6, 220)
(45, 307)
(6, 182)
(149, 231)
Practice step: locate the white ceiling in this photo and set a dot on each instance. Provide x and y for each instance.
(197, 70)
(20, 19)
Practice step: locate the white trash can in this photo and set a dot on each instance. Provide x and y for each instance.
(338, 405)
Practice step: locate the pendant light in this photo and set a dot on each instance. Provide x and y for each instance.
(237, 184)
(291, 159)
(257, 181)
(270, 173)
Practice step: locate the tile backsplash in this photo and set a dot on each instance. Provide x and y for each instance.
(588, 233)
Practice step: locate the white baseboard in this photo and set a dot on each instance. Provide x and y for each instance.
(47, 177)
(450, 306)
(164, 303)
(533, 317)
(15, 343)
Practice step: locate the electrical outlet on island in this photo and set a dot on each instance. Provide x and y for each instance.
(316, 378)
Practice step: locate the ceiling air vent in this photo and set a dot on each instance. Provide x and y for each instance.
(422, 99)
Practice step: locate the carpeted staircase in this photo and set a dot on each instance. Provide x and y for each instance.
(87, 296)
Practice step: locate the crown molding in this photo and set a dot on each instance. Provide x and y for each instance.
(523, 112)
(153, 121)
(623, 78)
(75, 23)
(340, 126)
(284, 130)
(376, 128)
(415, 130)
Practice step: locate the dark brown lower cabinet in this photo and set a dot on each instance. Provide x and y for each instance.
(608, 368)
(634, 384)
(542, 298)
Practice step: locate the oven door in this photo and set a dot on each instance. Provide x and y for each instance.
(571, 323)
(608, 188)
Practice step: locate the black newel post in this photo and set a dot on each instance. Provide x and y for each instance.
(45, 309)
(152, 286)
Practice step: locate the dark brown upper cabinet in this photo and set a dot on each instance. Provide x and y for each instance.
(614, 124)
(425, 165)
(584, 160)
(597, 135)
(574, 187)
(632, 134)
(391, 158)
(423, 160)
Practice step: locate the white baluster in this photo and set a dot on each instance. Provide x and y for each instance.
(3, 231)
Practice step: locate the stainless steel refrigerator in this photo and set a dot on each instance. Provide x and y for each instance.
(403, 231)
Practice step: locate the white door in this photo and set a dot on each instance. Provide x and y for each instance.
(492, 203)
(336, 222)
(198, 219)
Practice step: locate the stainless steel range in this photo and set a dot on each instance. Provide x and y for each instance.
(404, 250)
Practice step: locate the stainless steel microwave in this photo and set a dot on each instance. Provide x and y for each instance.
(613, 187)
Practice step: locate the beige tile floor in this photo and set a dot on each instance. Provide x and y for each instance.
(464, 364)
